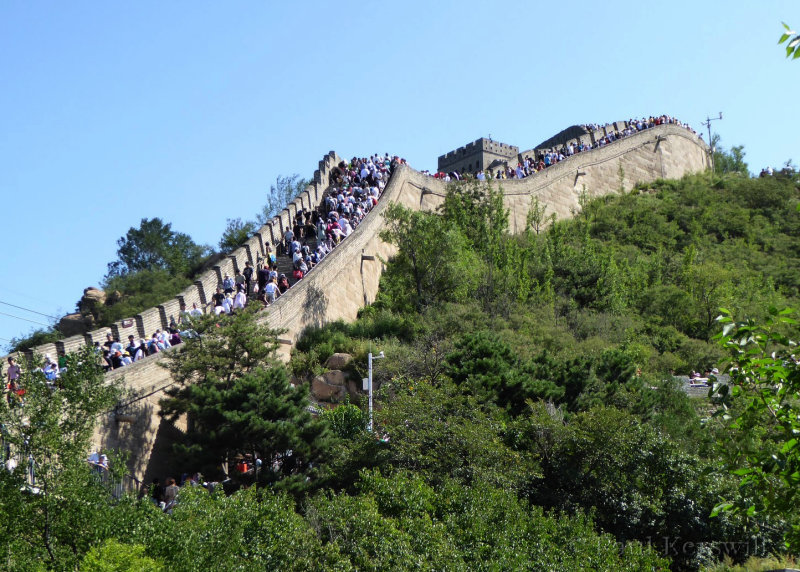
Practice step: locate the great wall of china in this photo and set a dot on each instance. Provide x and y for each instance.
(348, 277)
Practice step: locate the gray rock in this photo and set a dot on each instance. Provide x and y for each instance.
(338, 361)
(74, 324)
(326, 392)
(335, 377)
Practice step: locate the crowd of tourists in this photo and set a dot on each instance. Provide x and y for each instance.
(51, 369)
(547, 158)
(355, 189)
(116, 355)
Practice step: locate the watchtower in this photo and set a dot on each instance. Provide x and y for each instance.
(482, 154)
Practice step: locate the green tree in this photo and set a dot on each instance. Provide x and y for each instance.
(400, 522)
(536, 219)
(139, 290)
(347, 421)
(239, 401)
(434, 262)
(113, 556)
(728, 161)
(761, 407)
(53, 504)
(235, 234)
(489, 369)
(635, 481)
(280, 194)
(443, 434)
(793, 43)
(37, 337)
(155, 246)
(476, 208)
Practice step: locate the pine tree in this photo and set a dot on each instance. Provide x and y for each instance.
(239, 402)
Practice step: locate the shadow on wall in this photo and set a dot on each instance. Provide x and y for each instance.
(315, 307)
(129, 429)
(163, 462)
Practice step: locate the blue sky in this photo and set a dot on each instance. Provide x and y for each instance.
(188, 111)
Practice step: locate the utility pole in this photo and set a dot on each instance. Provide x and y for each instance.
(369, 384)
(707, 123)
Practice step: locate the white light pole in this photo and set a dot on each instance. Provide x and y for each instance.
(369, 385)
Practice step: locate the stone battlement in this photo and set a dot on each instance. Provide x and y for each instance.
(481, 144)
(477, 155)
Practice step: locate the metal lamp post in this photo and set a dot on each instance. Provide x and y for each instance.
(369, 384)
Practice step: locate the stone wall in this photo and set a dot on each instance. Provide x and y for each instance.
(348, 277)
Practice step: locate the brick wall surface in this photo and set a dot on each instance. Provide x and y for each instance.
(170, 311)
(149, 321)
(125, 328)
(225, 267)
(209, 282)
(189, 296)
(71, 344)
(238, 258)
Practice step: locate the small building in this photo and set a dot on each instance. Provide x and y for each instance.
(482, 154)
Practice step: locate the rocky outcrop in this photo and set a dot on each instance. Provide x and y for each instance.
(335, 384)
(338, 361)
(75, 324)
(93, 298)
(321, 390)
(85, 319)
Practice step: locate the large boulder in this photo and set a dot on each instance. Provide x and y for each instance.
(335, 377)
(92, 300)
(323, 391)
(75, 324)
(338, 361)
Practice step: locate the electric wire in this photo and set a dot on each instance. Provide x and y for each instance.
(28, 310)
(24, 319)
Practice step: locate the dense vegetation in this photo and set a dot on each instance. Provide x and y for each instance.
(590, 317)
(526, 418)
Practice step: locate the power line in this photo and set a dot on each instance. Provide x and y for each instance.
(28, 310)
(24, 319)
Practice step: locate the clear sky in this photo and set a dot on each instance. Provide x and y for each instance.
(112, 112)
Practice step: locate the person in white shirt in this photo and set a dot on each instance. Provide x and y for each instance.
(163, 339)
(272, 291)
(240, 300)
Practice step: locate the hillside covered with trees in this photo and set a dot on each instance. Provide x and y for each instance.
(526, 416)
